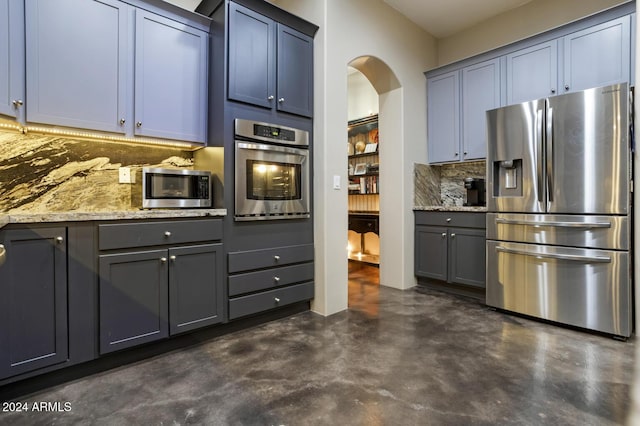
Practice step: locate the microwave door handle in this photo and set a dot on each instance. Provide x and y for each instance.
(539, 123)
(549, 155)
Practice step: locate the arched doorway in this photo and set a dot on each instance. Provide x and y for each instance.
(381, 197)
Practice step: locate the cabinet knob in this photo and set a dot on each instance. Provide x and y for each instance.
(3, 254)
(277, 300)
(276, 279)
(444, 234)
(172, 258)
(163, 260)
(59, 240)
(456, 154)
(465, 153)
(276, 257)
(453, 235)
(270, 98)
(566, 87)
(139, 124)
(167, 234)
(448, 219)
(553, 90)
(17, 103)
(122, 121)
(281, 100)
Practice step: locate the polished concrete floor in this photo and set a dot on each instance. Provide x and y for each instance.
(415, 357)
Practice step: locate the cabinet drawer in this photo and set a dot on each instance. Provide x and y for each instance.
(267, 258)
(459, 219)
(141, 234)
(254, 303)
(270, 278)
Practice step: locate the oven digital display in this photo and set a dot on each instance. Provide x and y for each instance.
(273, 181)
(274, 133)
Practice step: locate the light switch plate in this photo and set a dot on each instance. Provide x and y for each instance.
(336, 182)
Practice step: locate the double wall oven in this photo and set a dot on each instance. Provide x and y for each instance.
(271, 172)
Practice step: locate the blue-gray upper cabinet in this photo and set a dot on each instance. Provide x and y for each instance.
(252, 55)
(457, 102)
(12, 59)
(532, 73)
(270, 64)
(481, 91)
(443, 117)
(170, 79)
(77, 57)
(295, 72)
(597, 56)
(33, 307)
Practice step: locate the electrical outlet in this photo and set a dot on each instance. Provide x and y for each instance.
(124, 175)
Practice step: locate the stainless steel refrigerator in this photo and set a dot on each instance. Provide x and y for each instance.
(558, 197)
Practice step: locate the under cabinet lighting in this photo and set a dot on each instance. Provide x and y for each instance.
(10, 126)
(110, 138)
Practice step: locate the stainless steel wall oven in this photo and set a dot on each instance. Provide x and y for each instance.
(271, 172)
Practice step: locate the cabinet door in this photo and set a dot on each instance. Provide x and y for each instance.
(443, 117)
(195, 287)
(532, 73)
(431, 252)
(480, 92)
(77, 59)
(170, 79)
(133, 299)
(295, 72)
(12, 58)
(33, 306)
(467, 264)
(252, 55)
(597, 56)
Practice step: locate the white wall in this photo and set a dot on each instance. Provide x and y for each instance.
(350, 29)
(362, 97)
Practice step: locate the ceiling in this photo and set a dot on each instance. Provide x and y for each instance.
(441, 18)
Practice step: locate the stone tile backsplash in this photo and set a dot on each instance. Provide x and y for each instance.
(53, 174)
(444, 185)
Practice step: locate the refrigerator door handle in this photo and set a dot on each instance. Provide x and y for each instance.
(539, 154)
(549, 155)
(570, 257)
(586, 225)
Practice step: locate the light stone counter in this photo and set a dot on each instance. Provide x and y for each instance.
(77, 216)
(480, 209)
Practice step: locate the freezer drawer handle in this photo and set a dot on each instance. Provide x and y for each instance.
(586, 259)
(501, 221)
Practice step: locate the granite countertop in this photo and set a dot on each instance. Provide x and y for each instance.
(76, 216)
(450, 208)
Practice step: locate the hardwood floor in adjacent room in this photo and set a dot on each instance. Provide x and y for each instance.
(364, 287)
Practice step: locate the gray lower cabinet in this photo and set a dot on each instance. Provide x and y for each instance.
(453, 254)
(260, 280)
(152, 293)
(33, 307)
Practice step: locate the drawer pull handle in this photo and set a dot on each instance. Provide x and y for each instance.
(448, 219)
(163, 260)
(167, 234)
(172, 258)
(59, 240)
(277, 300)
(276, 279)
(276, 257)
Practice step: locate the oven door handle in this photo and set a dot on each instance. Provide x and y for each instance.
(273, 148)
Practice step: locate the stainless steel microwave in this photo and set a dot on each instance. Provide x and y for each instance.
(172, 188)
